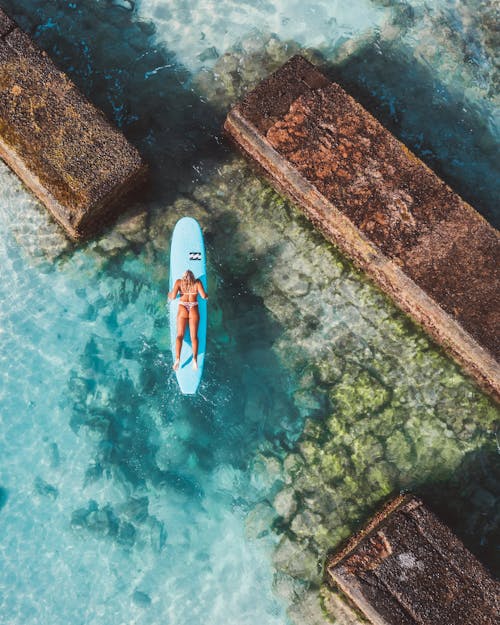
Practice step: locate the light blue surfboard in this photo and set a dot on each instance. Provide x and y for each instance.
(188, 252)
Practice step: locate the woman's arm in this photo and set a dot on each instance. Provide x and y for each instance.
(201, 290)
(175, 290)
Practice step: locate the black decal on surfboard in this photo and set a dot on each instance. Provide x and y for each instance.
(194, 255)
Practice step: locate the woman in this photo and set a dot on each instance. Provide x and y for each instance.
(189, 288)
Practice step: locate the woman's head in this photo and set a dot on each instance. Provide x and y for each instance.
(188, 278)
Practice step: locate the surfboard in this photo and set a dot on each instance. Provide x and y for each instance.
(187, 251)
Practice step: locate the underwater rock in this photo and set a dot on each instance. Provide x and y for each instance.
(157, 534)
(285, 503)
(359, 393)
(60, 145)
(133, 227)
(292, 465)
(244, 66)
(127, 5)
(308, 611)
(208, 54)
(307, 402)
(266, 470)
(287, 587)
(135, 509)
(259, 520)
(92, 474)
(297, 561)
(399, 451)
(3, 497)
(99, 521)
(45, 489)
(79, 517)
(112, 243)
(305, 523)
(141, 599)
(126, 534)
(336, 608)
(54, 455)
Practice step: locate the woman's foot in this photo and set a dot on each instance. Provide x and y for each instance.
(176, 364)
(195, 365)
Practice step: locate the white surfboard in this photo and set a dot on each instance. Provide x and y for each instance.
(188, 252)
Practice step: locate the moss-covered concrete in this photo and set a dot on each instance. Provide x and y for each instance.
(60, 145)
(428, 249)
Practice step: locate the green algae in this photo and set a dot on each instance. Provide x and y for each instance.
(358, 393)
(384, 408)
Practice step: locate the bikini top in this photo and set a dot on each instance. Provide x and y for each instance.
(181, 293)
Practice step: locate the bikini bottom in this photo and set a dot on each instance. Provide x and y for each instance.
(188, 305)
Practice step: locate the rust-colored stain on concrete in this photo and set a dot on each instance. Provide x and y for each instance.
(61, 146)
(408, 568)
(426, 247)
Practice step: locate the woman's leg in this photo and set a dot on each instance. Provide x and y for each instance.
(194, 321)
(182, 319)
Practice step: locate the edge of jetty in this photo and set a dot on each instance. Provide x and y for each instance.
(407, 568)
(429, 250)
(59, 144)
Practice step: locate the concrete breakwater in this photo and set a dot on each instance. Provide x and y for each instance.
(428, 249)
(58, 143)
(406, 567)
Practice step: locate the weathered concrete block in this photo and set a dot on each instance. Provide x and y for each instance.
(425, 247)
(59, 144)
(408, 568)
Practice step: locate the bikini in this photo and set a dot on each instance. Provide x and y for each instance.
(188, 305)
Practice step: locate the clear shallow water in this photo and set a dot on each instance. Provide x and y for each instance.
(124, 502)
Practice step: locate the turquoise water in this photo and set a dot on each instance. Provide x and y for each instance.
(120, 500)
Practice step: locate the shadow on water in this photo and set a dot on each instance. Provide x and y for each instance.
(441, 127)
(469, 502)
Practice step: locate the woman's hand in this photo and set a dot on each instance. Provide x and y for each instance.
(201, 290)
(173, 293)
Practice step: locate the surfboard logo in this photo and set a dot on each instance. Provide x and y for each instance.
(194, 255)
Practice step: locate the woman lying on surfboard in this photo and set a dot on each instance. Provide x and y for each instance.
(189, 288)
